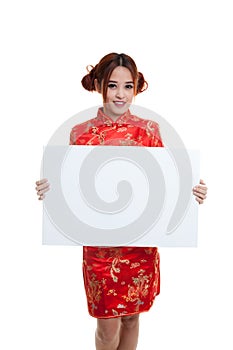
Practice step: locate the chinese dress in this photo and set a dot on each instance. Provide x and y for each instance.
(119, 281)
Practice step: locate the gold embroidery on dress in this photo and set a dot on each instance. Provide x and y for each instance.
(139, 289)
(94, 291)
(128, 142)
(148, 250)
(150, 125)
(90, 141)
(116, 313)
(128, 136)
(133, 265)
(94, 129)
(114, 269)
(112, 291)
(101, 253)
(121, 129)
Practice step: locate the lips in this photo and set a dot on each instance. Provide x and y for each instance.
(119, 103)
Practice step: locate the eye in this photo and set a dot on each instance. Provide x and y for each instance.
(129, 86)
(112, 85)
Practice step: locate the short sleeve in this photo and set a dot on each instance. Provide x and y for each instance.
(77, 131)
(156, 140)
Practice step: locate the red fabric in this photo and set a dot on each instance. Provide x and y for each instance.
(119, 281)
(127, 130)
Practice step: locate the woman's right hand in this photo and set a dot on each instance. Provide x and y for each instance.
(42, 186)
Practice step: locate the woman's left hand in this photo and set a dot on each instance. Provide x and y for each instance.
(200, 191)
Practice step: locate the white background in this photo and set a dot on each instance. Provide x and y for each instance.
(184, 49)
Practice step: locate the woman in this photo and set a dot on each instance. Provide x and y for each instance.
(120, 282)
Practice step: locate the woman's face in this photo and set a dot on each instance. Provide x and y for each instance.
(120, 92)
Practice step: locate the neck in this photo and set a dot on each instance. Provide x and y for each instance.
(113, 116)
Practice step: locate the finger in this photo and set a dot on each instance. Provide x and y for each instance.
(199, 200)
(198, 189)
(200, 196)
(42, 181)
(42, 191)
(202, 182)
(199, 192)
(43, 186)
(41, 197)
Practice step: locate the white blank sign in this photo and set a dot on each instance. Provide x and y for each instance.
(113, 196)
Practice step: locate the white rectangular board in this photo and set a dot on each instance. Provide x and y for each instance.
(88, 204)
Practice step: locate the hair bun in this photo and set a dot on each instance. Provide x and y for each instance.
(88, 80)
(142, 84)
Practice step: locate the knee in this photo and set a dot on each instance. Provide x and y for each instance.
(130, 321)
(107, 334)
(104, 337)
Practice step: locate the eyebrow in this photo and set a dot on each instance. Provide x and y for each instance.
(126, 82)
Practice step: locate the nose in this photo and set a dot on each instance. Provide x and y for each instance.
(120, 92)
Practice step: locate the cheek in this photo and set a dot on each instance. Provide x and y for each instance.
(110, 95)
(130, 95)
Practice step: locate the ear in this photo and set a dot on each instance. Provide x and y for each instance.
(97, 86)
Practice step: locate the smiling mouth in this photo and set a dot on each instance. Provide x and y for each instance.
(119, 103)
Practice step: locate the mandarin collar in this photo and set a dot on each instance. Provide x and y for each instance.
(108, 120)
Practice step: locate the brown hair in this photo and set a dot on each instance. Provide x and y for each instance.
(103, 70)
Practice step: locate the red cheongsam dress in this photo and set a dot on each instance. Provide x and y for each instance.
(119, 281)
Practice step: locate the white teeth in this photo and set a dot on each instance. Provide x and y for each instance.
(119, 103)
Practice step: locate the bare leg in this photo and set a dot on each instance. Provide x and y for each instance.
(129, 332)
(107, 334)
